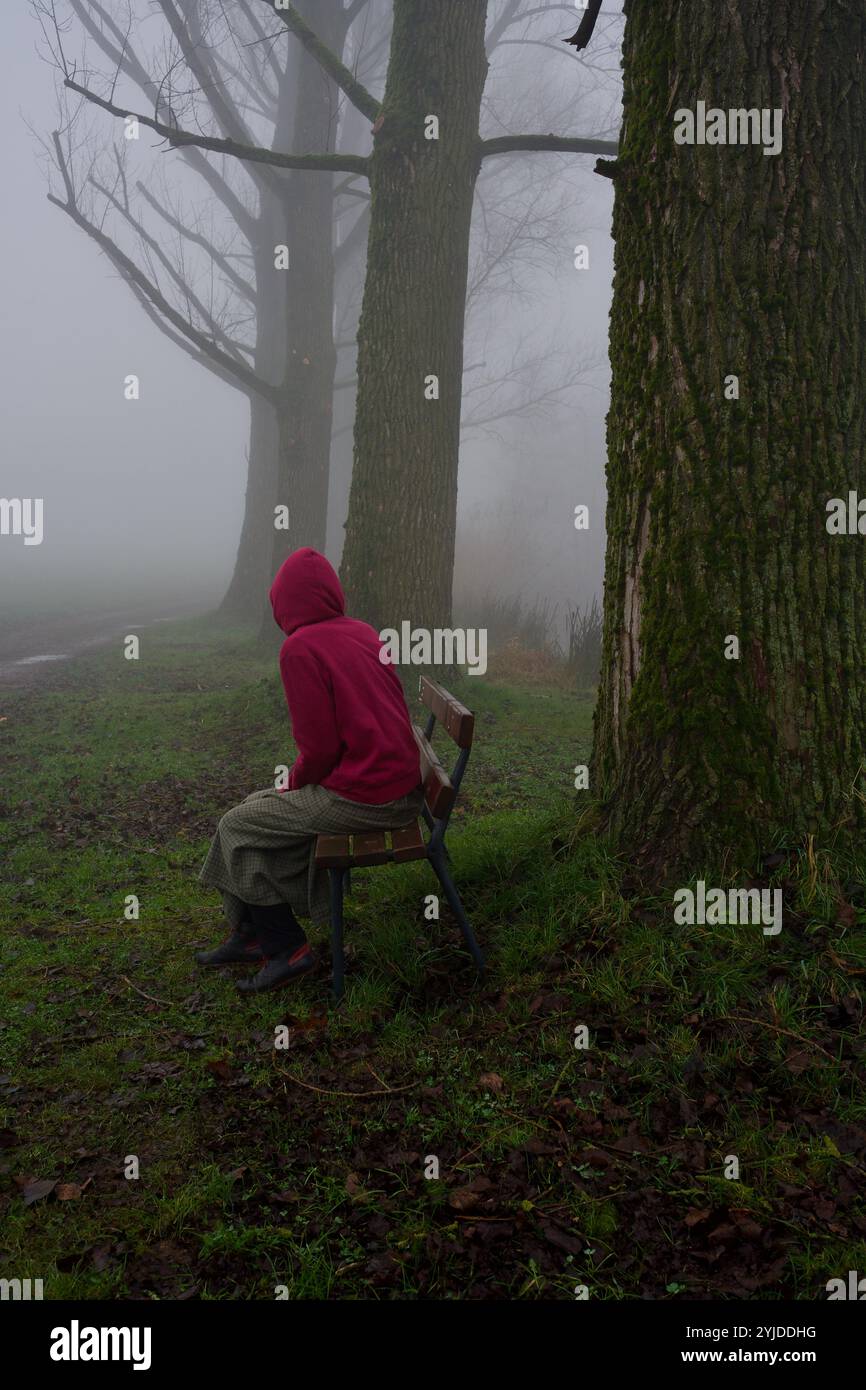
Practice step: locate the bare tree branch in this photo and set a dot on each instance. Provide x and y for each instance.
(559, 144)
(241, 285)
(353, 10)
(183, 343)
(234, 205)
(508, 16)
(249, 379)
(202, 69)
(540, 391)
(234, 349)
(354, 90)
(581, 39)
(124, 58)
(263, 38)
(256, 154)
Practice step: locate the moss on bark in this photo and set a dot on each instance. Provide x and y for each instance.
(730, 261)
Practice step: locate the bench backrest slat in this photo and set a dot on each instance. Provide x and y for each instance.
(438, 788)
(457, 721)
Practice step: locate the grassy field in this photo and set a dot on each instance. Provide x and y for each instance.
(303, 1169)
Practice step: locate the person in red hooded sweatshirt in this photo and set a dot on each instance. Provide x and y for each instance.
(357, 768)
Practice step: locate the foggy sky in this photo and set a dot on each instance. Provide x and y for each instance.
(145, 497)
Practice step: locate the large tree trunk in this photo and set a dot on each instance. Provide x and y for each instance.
(247, 592)
(290, 447)
(399, 550)
(249, 582)
(305, 421)
(732, 262)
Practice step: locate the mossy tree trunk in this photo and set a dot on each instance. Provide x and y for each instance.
(732, 262)
(399, 551)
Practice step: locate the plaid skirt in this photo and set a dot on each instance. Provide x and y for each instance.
(263, 850)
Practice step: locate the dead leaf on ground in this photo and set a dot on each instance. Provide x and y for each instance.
(490, 1081)
(695, 1215)
(468, 1197)
(799, 1060)
(36, 1189)
(220, 1068)
(69, 1191)
(304, 1025)
(355, 1188)
(555, 1235)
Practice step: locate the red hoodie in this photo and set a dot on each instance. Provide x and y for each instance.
(348, 711)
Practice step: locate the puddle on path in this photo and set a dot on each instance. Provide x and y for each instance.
(32, 660)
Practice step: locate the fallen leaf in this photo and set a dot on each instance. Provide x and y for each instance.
(695, 1215)
(597, 1158)
(798, 1060)
(746, 1224)
(468, 1197)
(355, 1188)
(538, 1146)
(490, 1081)
(38, 1188)
(562, 1240)
(220, 1068)
(159, 1068)
(303, 1025)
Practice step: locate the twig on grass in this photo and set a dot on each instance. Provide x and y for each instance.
(807, 1042)
(353, 1095)
(152, 997)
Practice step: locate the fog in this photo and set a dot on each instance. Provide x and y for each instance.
(143, 499)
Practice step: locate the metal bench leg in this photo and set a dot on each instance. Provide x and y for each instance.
(441, 871)
(337, 960)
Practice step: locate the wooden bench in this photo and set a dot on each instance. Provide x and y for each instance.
(339, 854)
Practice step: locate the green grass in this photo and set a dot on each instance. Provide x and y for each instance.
(257, 1172)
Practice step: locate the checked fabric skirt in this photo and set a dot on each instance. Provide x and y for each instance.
(263, 851)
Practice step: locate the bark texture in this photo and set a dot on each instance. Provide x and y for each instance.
(399, 550)
(290, 446)
(729, 261)
(247, 591)
(305, 416)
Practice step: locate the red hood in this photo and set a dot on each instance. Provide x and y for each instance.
(306, 590)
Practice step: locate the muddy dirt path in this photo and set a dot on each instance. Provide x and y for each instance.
(31, 646)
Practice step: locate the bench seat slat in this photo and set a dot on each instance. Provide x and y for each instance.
(333, 851)
(370, 847)
(408, 843)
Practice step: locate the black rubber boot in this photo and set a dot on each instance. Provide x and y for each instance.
(276, 929)
(279, 970)
(284, 942)
(240, 948)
